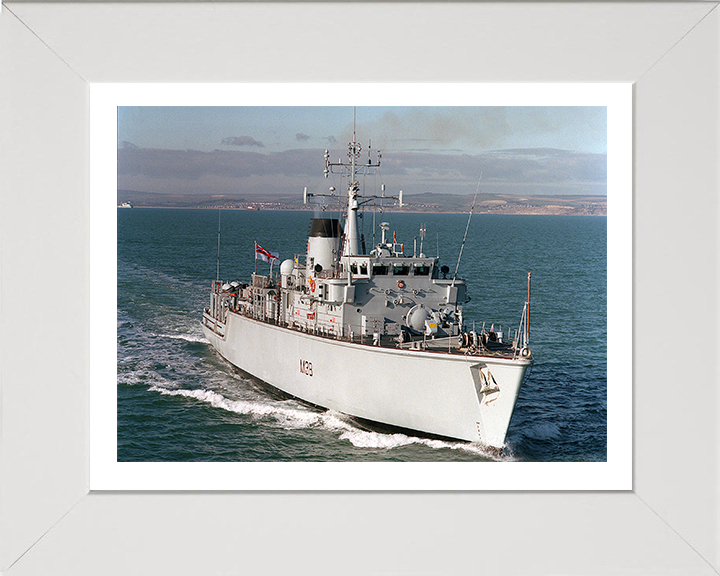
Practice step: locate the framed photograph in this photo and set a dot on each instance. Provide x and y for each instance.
(452, 447)
(71, 500)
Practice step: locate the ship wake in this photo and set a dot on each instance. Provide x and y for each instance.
(292, 415)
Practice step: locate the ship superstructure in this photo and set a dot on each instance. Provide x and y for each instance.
(376, 335)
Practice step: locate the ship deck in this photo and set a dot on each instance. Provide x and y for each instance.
(444, 345)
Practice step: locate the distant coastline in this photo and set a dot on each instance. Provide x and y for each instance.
(555, 205)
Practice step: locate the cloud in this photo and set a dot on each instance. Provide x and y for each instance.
(528, 165)
(429, 126)
(331, 139)
(242, 141)
(531, 170)
(125, 144)
(193, 164)
(470, 128)
(300, 137)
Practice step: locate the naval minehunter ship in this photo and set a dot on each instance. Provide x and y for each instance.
(378, 336)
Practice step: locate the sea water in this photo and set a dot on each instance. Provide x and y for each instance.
(178, 400)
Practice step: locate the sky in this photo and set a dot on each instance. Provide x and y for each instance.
(279, 150)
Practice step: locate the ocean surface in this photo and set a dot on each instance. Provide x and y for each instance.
(178, 400)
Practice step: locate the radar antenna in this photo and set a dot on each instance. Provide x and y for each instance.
(350, 169)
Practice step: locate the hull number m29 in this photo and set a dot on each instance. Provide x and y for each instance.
(306, 367)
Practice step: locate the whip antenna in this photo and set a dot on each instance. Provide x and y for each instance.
(218, 256)
(467, 226)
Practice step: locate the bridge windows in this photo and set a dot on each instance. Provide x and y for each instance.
(400, 269)
(358, 267)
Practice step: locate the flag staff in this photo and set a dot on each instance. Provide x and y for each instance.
(265, 256)
(527, 318)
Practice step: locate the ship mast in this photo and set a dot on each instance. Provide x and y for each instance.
(351, 226)
(351, 169)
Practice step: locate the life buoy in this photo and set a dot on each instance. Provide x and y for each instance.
(312, 284)
(525, 352)
(401, 284)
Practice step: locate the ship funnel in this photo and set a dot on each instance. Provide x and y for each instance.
(324, 242)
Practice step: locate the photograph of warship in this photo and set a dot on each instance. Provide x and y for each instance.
(376, 335)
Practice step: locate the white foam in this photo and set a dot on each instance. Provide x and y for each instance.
(377, 440)
(366, 439)
(186, 337)
(145, 377)
(246, 407)
(290, 417)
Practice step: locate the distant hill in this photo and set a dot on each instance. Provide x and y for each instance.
(485, 204)
(509, 204)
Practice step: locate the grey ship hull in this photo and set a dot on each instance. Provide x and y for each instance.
(379, 335)
(434, 393)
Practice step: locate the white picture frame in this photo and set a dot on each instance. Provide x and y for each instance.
(667, 524)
